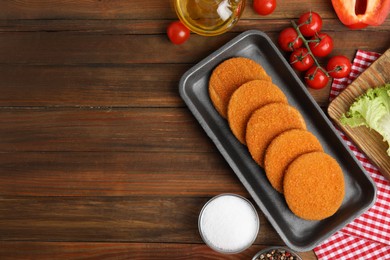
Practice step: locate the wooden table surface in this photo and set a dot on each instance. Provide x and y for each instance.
(99, 156)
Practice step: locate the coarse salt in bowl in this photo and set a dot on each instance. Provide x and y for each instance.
(228, 223)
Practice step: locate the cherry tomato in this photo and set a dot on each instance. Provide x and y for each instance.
(264, 7)
(288, 39)
(310, 23)
(316, 78)
(177, 32)
(339, 67)
(301, 60)
(321, 45)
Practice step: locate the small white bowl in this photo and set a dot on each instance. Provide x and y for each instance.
(228, 223)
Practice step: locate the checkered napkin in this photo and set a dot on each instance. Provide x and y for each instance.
(368, 236)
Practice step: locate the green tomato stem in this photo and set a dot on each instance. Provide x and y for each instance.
(306, 43)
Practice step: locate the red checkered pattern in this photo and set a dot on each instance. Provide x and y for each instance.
(368, 236)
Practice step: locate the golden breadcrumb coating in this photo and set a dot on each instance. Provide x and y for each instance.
(246, 99)
(228, 76)
(314, 186)
(266, 123)
(284, 149)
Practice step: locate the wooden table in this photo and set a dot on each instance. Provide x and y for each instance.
(99, 156)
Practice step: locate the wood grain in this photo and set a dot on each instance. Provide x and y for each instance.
(151, 219)
(135, 85)
(86, 9)
(117, 86)
(141, 251)
(135, 9)
(116, 174)
(143, 27)
(104, 129)
(369, 141)
(71, 49)
(99, 157)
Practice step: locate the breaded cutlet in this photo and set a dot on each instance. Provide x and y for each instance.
(228, 76)
(266, 123)
(246, 99)
(283, 150)
(314, 186)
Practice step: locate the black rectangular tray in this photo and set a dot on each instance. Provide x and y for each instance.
(298, 234)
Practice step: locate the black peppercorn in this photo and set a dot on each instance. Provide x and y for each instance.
(276, 254)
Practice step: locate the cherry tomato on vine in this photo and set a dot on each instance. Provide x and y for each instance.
(316, 78)
(177, 32)
(339, 67)
(288, 39)
(301, 60)
(264, 7)
(321, 45)
(310, 23)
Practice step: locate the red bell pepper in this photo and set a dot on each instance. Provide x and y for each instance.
(358, 14)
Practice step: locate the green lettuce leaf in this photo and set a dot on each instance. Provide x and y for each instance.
(372, 110)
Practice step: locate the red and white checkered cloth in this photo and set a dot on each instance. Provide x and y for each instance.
(368, 236)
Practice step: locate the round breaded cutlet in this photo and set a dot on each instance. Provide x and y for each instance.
(314, 186)
(283, 149)
(246, 99)
(266, 123)
(228, 76)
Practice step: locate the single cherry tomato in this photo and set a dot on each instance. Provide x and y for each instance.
(264, 7)
(301, 60)
(339, 67)
(310, 23)
(316, 78)
(288, 39)
(177, 32)
(321, 45)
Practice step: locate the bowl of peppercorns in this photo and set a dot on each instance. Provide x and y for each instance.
(276, 253)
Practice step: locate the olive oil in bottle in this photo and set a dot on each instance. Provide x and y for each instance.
(209, 17)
